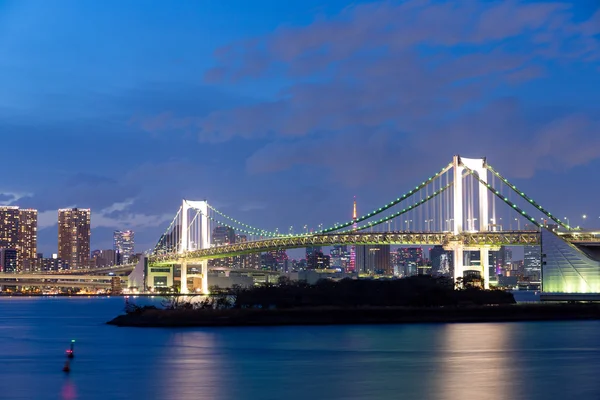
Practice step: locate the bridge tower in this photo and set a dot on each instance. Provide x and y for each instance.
(477, 165)
(201, 219)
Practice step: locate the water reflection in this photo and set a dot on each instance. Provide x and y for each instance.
(191, 367)
(475, 361)
(68, 392)
(533, 361)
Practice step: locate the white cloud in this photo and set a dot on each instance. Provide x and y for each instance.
(104, 219)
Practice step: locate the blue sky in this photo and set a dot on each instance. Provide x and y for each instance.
(279, 112)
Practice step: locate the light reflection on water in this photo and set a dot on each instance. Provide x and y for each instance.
(553, 360)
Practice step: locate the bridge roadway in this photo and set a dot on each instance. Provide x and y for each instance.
(59, 280)
(470, 240)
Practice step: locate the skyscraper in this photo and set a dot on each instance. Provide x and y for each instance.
(372, 259)
(18, 231)
(74, 231)
(27, 250)
(532, 262)
(123, 245)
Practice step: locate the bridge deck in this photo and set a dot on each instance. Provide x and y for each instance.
(468, 239)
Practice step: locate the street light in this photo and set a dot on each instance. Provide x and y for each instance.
(518, 224)
(568, 223)
(428, 222)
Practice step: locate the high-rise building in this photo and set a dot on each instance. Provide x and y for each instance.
(373, 259)
(105, 258)
(123, 245)
(340, 256)
(441, 261)
(9, 227)
(18, 231)
(313, 250)
(8, 260)
(74, 231)
(317, 260)
(412, 258)
(532, 262)
(221, 236)
(27, 250)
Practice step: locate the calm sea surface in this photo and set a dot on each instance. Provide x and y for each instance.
(548, 360)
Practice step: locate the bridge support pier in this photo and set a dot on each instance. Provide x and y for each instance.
(184, 287)
(458, 261)
(484, 255)
(204, 276)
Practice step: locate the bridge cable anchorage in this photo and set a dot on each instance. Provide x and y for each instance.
(257, 231)
(527, 198)
(387, 206)
(403, 211)
(504, 199)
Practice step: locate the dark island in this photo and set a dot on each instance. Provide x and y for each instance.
(420, 299)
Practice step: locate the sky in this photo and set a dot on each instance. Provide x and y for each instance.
(279, 112)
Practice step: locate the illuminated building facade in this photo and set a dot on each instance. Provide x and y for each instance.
(123, 245)
(372, 259)
(340, 257)
(74, 232)
(18, 231)
(532, 262)
(567, 269)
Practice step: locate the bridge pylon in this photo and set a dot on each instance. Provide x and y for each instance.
(477, 165)
(199, 228)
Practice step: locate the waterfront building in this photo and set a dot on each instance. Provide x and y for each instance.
(18, 231)
(74, 231)
(123, 245)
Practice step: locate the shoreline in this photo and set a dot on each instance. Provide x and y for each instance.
(158, 318)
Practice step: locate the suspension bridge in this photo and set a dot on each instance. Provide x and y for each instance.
(465, 206)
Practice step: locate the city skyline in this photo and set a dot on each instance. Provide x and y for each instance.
(260, 118)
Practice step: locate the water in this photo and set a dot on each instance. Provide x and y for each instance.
(547, 360)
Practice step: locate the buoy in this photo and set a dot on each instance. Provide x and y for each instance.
(67, 367)
(71, 351)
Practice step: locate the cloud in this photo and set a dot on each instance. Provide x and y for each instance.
(407, 78)
(7, 198)
(387, 81)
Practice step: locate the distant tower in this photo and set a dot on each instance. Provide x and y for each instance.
(123, 245)
(353, 249)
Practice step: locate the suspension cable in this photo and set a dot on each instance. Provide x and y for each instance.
(521, 212)
(527, 198)
(403, 211)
